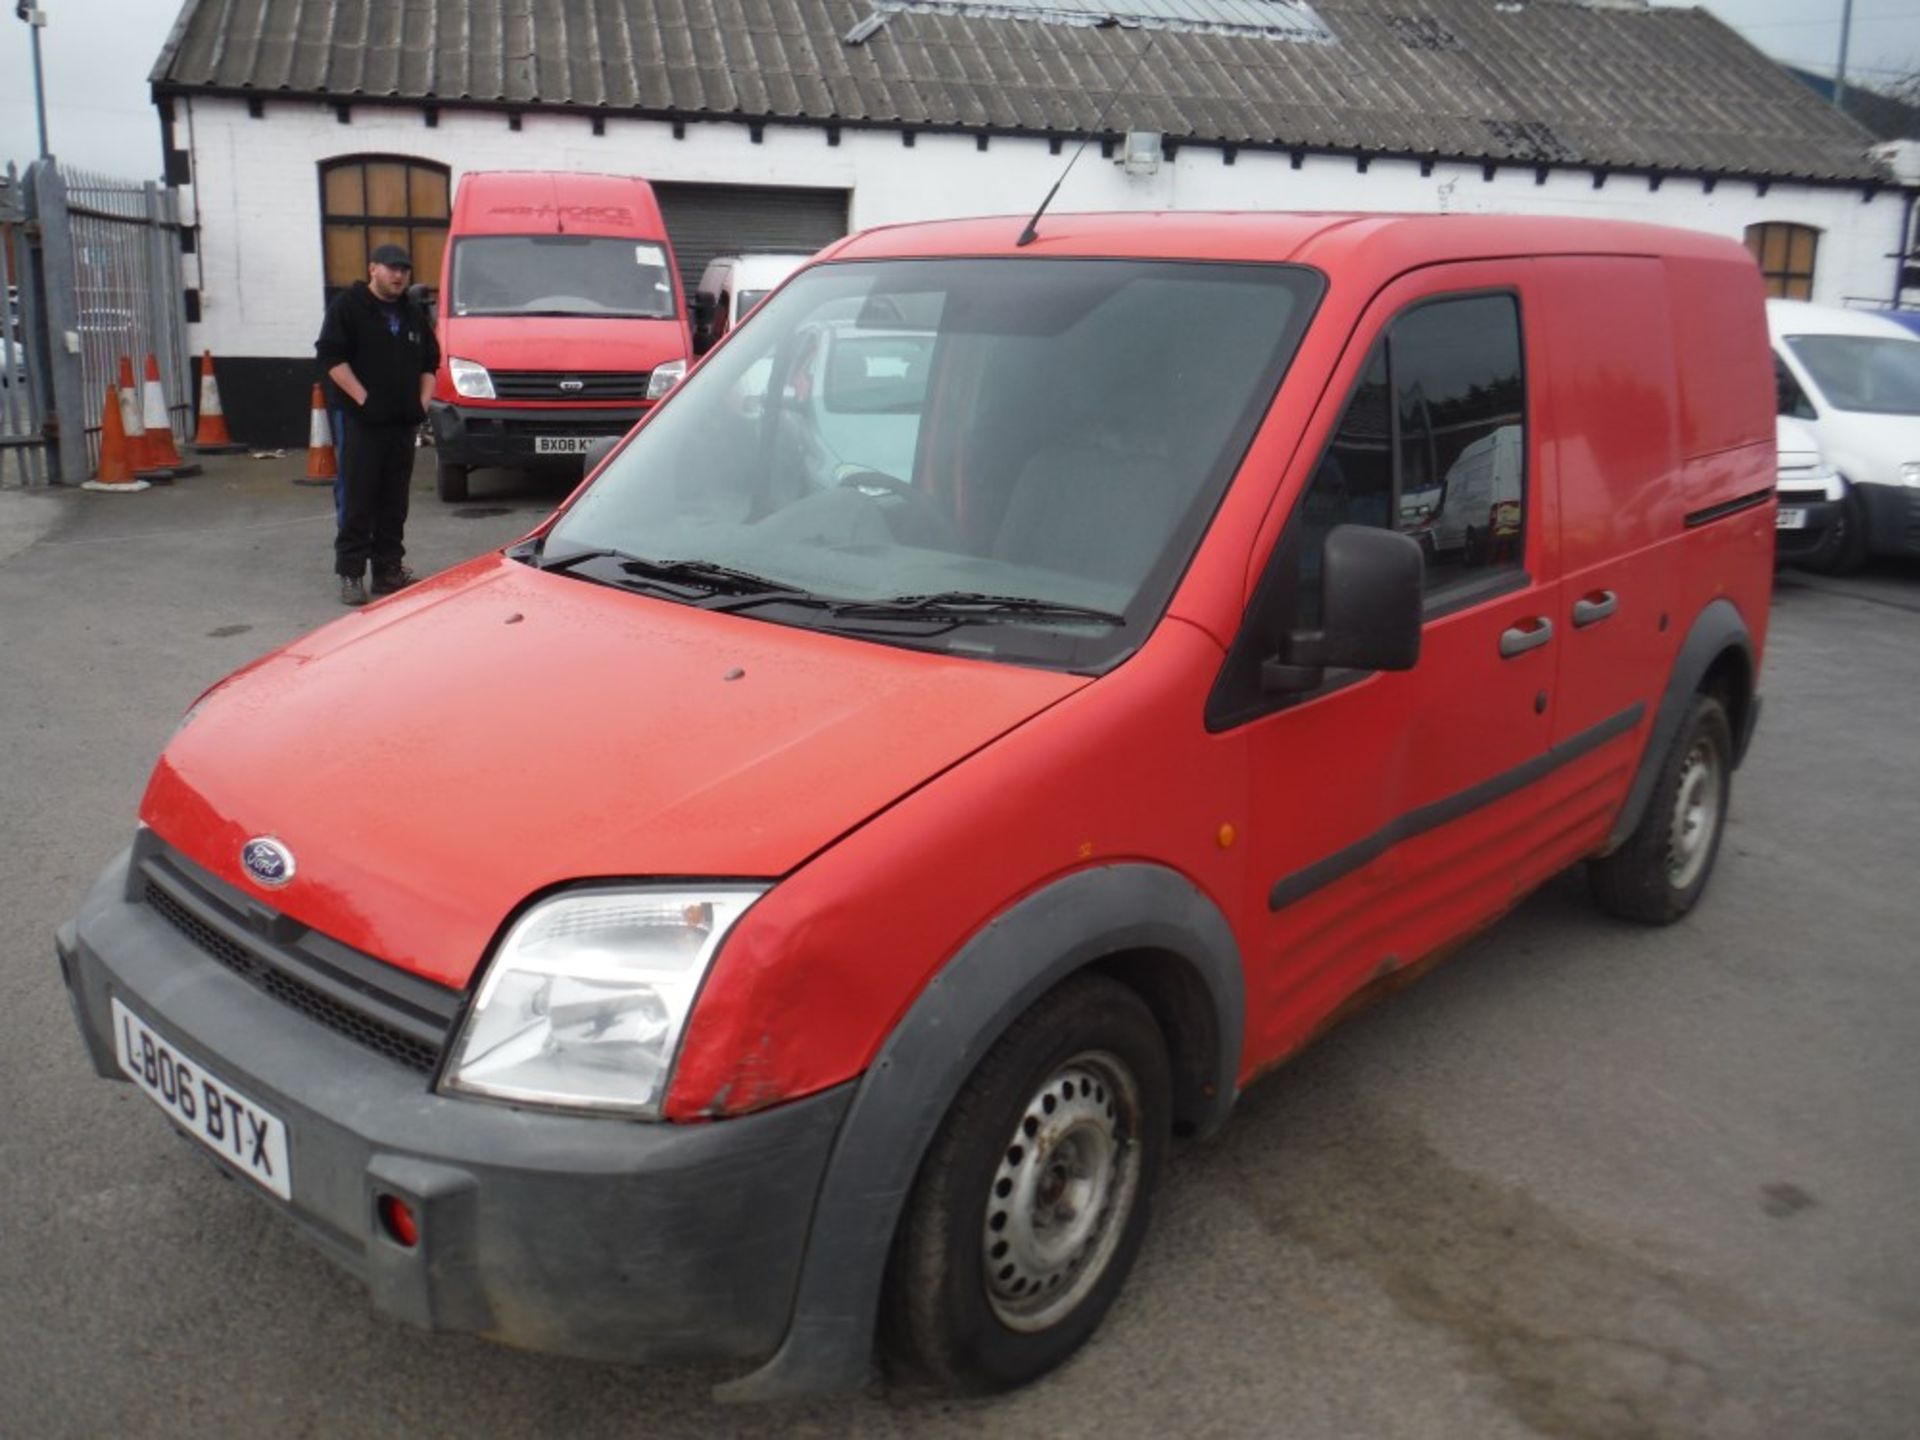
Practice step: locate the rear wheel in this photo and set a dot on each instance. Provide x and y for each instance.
(1032, 1200)
(1659, 874)
(451, 482)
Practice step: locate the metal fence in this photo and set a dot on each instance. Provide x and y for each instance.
(96, 263)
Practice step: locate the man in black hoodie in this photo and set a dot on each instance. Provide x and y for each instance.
(378, 350)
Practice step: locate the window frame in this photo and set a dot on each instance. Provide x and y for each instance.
(368, 221)
(1780, 282)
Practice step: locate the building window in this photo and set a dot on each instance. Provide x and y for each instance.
(372, 200)
(1785, 253)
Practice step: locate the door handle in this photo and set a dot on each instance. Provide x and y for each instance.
(1527, 635)
(1589, 609)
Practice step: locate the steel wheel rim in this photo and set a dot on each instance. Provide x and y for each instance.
(1696, 815)
(1066, 1182)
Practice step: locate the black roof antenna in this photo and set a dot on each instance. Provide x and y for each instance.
(1031, 233)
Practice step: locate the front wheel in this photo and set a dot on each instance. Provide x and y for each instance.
(1846, 549)
(1659, 873)
(1032, 1200)
(451, 481)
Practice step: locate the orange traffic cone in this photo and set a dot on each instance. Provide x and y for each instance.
(211, 437)
(158, 419)
(146, 466)
(115, 470)
(321, 465)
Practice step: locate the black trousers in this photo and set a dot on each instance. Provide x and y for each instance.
(376, 472)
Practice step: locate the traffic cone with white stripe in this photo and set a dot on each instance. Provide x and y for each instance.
(158, 419)
(211, 436)
(321, 464)
(115, 470)
(146, 465)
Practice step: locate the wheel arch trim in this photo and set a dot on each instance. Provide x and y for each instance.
(1075, 923)
(1719, 631)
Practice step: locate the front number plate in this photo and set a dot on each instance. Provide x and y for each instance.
(202, 1104)
(1785, 519)
(561, 444)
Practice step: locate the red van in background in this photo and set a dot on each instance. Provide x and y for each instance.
(561, 320)
(1005, 702)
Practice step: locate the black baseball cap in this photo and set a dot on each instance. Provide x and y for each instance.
(394, 255)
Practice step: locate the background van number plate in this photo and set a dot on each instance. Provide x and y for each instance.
(205, 1106)
(561, 444)
(1789, 519)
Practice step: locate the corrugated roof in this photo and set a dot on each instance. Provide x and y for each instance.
(1516, 81)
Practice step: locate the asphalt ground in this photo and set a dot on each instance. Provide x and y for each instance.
(1585, 1180)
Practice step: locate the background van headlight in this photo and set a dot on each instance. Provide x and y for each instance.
(470, 378)
(664, 378)
(1910, 474)
(585, 1002)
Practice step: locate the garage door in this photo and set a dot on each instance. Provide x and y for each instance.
(708, 220)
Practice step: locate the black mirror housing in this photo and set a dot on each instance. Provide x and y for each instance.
(1371, 583)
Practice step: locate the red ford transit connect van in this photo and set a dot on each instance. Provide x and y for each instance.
(893, 861)
(561, 320)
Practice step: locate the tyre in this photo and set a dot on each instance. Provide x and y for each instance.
(1659, 874)
(1846, 550)
(451, 481)
(1032, 1200)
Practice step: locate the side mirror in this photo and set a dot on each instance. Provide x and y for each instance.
(1371, 581)
(702, 324)
(427, 297)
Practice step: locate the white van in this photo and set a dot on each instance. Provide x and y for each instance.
(1854, 378)
(1480, 498)
(730, 286)
(1807, 524)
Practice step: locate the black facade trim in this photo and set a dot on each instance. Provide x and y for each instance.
(1293, 149)
(1302, 883)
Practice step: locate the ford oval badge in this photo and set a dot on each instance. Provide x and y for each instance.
(267, 862)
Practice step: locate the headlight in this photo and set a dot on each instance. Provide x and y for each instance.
(665, 377)
(470, 379)
(584, 1005)
(1910, 474)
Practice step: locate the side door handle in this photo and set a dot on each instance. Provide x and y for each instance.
(1527, 635)
(1590, 609)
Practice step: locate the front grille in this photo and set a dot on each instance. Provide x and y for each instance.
(377, 1035)
(570, 384)
(525, 431)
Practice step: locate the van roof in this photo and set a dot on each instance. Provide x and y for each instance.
(1378, 241)
(530, 202)
(1802, 317)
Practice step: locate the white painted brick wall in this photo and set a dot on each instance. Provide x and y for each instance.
(256, 192)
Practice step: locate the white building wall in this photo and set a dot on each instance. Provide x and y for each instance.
(256, 191)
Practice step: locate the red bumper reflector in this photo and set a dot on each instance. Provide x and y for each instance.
(398, 1221)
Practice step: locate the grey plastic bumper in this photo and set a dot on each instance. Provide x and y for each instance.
(599, 1238)
(1893, 518)
(477, 437)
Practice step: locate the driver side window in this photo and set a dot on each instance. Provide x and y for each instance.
(1433, 444)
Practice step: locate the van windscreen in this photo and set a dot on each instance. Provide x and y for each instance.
(586, 275)
(1009, 458)
(1878, 375)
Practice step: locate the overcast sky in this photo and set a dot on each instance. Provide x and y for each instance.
(96, 55)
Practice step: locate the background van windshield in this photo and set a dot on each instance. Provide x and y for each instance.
(561, 275)
(1054, 433)
(1871, 373)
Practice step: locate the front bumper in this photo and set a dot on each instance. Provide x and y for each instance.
(477, 436)
(1893, 518)
(1811, 537)
(595, 1237)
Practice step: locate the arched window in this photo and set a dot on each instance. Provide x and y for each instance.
(1785, 253)
(370, 200)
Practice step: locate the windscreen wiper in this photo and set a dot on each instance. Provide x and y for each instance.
(721, 579)
(968, 605)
